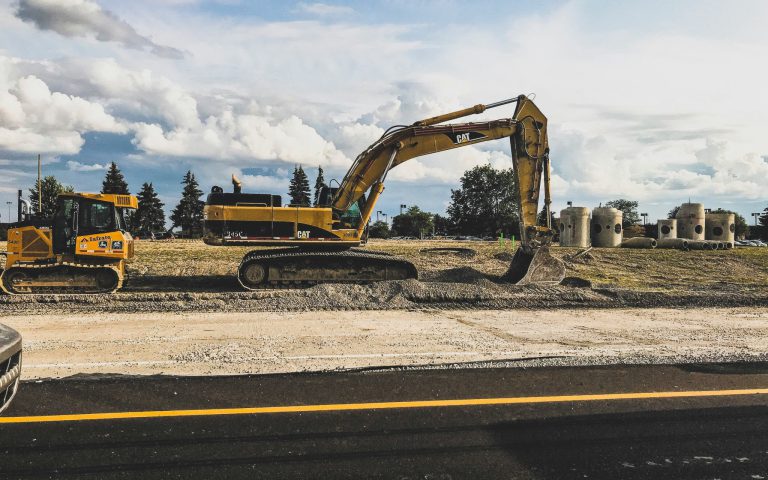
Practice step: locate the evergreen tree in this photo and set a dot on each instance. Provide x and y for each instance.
(51, 189)
(149, 217)
(299, 188)
(319, 183)
(188, 214)
(763, 219)
(114, 182)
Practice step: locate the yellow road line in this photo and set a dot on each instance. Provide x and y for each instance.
(340, 407)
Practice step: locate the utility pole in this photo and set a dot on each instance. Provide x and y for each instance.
(39, 187)
(9, 210)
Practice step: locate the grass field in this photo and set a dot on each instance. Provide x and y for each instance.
(627, 268)
(737, 269)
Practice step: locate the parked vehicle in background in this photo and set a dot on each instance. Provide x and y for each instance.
(10, 364)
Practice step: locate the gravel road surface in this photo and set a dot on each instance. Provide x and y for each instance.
(282, 342)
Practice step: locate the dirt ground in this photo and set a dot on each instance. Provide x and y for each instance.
(179, 276)
(236, 343)
(183, 313)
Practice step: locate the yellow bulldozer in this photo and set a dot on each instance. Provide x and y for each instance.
(320, 239)
(82, 249)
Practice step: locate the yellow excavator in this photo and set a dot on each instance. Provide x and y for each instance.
(320, 238)
(82, 249)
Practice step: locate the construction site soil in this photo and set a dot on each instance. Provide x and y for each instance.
(188, 276)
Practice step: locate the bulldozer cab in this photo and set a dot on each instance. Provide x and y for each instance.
(77, 216)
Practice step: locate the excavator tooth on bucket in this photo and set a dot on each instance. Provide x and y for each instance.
(535, 265)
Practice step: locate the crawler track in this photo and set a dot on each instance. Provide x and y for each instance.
(292, 267)
(61, 278)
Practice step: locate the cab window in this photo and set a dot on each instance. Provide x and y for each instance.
(352, 216)
(96, 217)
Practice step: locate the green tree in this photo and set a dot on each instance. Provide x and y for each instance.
(541, 218)
(188, 214)
(412, 223)
(51, 188)
(673, 213)
(629, 207)
(319, 184)
(114, 182)
(149, 217)
(443, 225)
(742, 227)
(763, 219)
(298, 189)
(379, 229)
(485, 204)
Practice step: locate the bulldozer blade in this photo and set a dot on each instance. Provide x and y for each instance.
(536, 266)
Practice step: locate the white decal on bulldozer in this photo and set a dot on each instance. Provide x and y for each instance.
(303, 234)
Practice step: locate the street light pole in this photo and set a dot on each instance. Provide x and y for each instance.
(9, 210)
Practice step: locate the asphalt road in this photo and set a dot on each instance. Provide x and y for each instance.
(671, 436)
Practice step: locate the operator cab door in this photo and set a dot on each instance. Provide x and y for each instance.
(65, 225)
(96, 217)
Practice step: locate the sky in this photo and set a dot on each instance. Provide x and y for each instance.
(654, 101)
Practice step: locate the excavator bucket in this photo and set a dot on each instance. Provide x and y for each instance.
(535, 266)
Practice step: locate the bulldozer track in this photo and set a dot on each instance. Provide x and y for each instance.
(39, 270)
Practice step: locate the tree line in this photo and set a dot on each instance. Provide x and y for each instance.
(483, 205)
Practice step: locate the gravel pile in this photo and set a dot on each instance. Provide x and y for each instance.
(467, 289)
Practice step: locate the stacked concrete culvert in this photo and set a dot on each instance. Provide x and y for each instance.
(690, 221)
(606, 227)
(721, 227)
(574, 227)
(667, 228)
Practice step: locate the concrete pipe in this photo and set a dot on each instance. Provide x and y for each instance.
(676, 243)
(690, 221)
(699, 245)
(639, 242)
(667, 228)
(606, 227)
(720, 227)
(574, 227)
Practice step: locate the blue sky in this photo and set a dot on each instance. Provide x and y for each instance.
(653, 101)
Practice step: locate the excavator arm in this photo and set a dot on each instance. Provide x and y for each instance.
(527, 131)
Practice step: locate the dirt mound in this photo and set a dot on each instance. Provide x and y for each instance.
(460, 274)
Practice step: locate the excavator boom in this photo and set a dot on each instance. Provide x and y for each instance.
(527, 131)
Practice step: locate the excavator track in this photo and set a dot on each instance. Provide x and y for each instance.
(60, 278)
(293, 267)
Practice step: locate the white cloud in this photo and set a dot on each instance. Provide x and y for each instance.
(34, 119)
(324, 9)
(82, 167)
(232, 136)
(85, 18)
